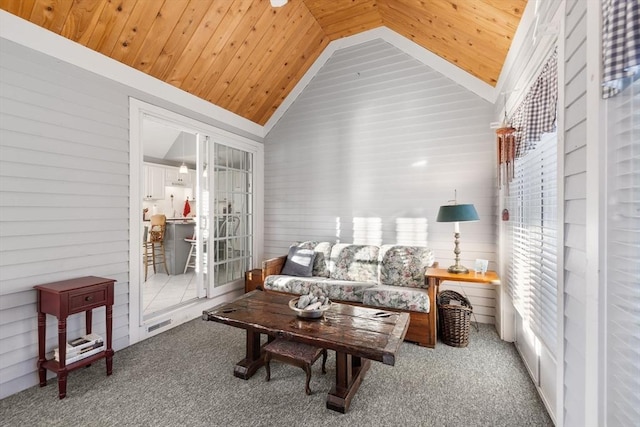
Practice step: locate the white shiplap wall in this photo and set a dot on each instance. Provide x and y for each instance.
(369, 151)
(64, 185)
(575, 190)
(64, 190)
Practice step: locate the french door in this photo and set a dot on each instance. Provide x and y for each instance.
(232, 214)
(225, 215)
(211, 258)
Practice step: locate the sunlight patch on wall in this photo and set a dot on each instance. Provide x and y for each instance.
(367, 231)
(411, 231)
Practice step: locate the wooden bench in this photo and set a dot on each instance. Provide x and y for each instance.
(294, 353)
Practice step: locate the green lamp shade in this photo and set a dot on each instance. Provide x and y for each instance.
(457, 213)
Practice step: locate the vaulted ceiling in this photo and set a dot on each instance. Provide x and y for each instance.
(246, 56)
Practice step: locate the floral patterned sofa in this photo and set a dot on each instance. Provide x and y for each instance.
(388, 276)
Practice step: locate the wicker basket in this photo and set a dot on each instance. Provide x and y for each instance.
(454, 320)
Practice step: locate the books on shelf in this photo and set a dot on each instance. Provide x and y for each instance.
(79, 348)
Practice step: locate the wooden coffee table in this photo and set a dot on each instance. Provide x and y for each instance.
(358, 335)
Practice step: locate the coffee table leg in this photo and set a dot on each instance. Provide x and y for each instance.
(253, 360)
(350, 371)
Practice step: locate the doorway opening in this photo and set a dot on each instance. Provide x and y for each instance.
(192, 238)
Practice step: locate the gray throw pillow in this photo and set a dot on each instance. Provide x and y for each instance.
(299, 262)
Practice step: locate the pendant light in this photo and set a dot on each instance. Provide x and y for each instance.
(183, 167)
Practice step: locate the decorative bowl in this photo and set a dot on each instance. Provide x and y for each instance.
(308, 314)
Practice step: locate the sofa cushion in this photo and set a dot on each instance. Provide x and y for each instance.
(411, 299)
(323, 254)
(290, 284)
(404, 265)
(354, 262)
(341, 290)
(299, 262)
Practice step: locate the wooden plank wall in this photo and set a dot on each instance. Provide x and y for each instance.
(369, 151)
(64, 209)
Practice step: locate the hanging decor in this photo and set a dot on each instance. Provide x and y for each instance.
(537, 113)
(534, 116)
(506, 137)
(620, 45)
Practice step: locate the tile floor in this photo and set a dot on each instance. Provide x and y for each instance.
(161, 291)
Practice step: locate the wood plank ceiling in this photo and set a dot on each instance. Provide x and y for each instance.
(247, 56)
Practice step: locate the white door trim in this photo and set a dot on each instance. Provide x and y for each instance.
(138, 110)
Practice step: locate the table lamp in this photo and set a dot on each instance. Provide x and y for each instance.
(457, 213)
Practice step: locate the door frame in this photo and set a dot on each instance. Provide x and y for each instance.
(140, 328)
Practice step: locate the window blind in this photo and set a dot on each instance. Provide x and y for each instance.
(622, 307)
(532, 233)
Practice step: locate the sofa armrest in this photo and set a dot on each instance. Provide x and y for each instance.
(273, 266)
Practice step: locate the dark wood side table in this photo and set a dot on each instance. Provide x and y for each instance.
(63, 299)
(437, 275)
(253, 280)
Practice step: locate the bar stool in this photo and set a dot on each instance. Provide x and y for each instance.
(193, 251)
(154, 245)
(191, 258)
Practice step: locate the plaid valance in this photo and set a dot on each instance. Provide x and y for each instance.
(537, 113)
(620, 45)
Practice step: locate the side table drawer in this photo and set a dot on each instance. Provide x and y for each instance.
(86, 300)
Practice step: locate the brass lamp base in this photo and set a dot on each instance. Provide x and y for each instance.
(458, 269)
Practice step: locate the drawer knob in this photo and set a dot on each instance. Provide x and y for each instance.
(89, 298)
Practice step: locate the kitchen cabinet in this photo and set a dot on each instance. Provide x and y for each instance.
(153, 182)
(174, 178)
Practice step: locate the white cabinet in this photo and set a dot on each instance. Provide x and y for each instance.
(174, 178)
(153, 182)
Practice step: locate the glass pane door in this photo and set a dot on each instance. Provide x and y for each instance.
(203, 207)
(233, 218)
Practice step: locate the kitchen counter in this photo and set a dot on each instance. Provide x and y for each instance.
(176, 249)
